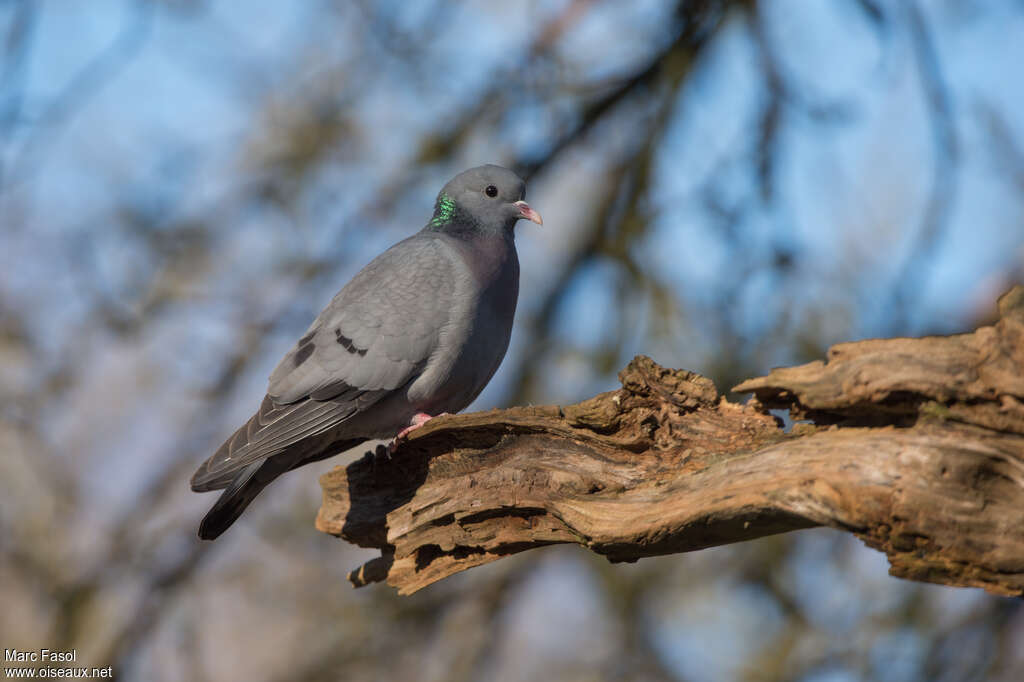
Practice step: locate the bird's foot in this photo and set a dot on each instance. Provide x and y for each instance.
(418, 420)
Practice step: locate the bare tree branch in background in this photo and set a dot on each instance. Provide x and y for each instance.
(912, 275)
(616, 222)
(17, 45)
(86, 83)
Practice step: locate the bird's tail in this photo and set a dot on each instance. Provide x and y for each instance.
(242, 490)
(248, 483)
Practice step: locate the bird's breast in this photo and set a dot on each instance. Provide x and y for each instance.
(472, 344)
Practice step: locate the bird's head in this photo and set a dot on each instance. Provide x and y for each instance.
(484, 199)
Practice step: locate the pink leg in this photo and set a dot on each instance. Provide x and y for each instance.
(418, 420)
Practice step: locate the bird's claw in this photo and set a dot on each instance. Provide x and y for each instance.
(418, 420)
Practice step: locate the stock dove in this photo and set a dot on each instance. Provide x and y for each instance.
(416, 333)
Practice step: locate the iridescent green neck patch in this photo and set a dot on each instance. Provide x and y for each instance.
(444, 211)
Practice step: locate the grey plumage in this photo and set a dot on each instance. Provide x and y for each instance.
(421, 329)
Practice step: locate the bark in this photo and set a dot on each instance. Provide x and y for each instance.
(916, 446)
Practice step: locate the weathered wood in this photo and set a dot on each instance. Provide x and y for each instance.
(914, 445)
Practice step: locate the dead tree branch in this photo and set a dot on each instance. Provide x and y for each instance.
(916, 446)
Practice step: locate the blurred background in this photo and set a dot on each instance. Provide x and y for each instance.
(726, 186)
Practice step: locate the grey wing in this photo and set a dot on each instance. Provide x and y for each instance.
(374, 337)
(273, 429)
(378, 332)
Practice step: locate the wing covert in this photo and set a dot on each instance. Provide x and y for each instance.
(378, 332)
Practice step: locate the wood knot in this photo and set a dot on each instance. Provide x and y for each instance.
(599, 414)
(644, 377)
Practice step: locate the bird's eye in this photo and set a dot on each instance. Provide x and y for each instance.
(491, 191)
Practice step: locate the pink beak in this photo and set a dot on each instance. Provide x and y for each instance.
(528, 213)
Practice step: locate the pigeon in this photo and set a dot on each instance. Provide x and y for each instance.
(415, 334)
